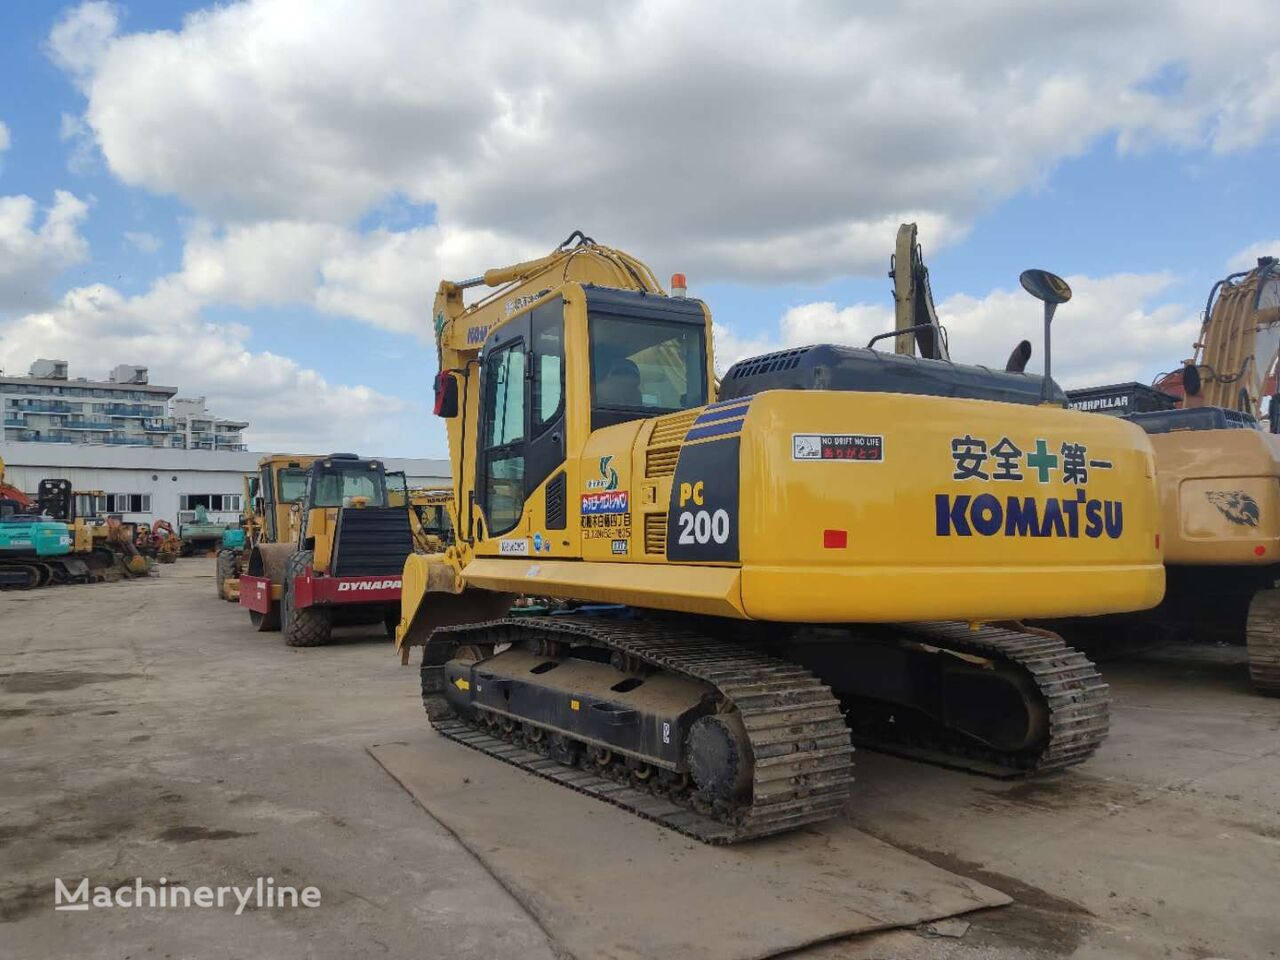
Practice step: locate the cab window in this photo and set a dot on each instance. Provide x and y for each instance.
(502, 476)
(548, 365)
(643, 368)
(293, 484)
(335, 486)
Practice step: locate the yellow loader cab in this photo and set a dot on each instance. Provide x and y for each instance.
(266, 517)
(342, 559)
(432, 518)
(836, 519)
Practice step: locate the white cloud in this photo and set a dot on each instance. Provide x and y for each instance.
(32, 255)
(1112, 330)
(384, 278)
(1247, 258)
(734, 148)
(79, 41)
(289, 407)
(142, 241)
(5, 140)
(83, 156)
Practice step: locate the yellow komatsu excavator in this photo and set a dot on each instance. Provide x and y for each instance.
(827, 530)
(1218, 463)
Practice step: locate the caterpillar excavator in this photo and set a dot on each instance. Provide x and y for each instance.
(738, 564)
(1213, 425)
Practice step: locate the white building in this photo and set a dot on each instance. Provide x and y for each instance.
(146, 484)
(125, 410)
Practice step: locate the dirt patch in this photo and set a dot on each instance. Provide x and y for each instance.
(101, 832)
(17, 903)
(1065, 793)
(9, 831)
(190, 834)
(1261, 829)
(1036, 920)
(43, 681)
(103, 813)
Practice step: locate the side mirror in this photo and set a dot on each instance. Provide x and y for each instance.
(1045, 286)
(1051, 290)
(446, 395)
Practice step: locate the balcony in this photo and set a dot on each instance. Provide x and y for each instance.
(87, 424)
(10, 422)
(130, 441)
(44, 406)
(131, 410)
(157, 426)
(52, 436)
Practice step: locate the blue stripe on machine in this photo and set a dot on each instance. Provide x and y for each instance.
(722, 412)
(714, 430)
(729, 403)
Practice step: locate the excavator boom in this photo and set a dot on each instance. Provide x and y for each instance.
(1239, 339)
(914, 315)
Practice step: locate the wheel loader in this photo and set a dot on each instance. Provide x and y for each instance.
(1218, 466)
(341, 559)
(738, 564)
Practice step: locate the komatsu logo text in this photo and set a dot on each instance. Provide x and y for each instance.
(362, 585)
(990, 516)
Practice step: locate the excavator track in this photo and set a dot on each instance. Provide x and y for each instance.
(1262, 637)
(803, 763)
(15, 575)
(1066, 683)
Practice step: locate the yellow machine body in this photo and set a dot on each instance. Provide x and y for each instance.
(1219, 496)
(281, 481)
(733, 510)
(1220, 488)
(431, 518)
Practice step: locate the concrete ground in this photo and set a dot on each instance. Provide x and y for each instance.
(147, 731)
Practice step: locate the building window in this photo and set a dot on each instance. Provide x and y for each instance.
(225, 502)
(125, 503)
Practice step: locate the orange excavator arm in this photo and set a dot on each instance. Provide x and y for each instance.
(1235, 361)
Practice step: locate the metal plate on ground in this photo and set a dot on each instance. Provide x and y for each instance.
(604, 883)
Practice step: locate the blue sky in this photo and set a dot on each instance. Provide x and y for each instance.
(270, 196)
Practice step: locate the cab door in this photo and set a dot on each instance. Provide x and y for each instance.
(521, 419)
